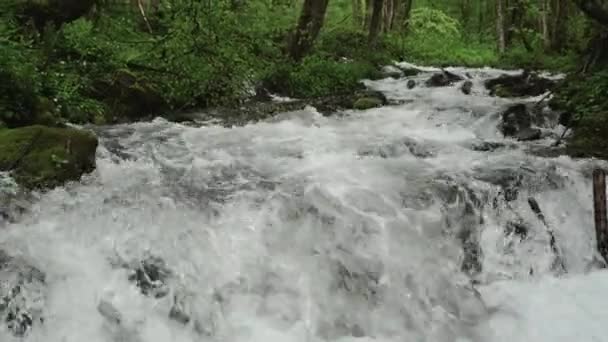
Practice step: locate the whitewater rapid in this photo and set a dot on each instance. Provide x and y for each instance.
(352, 227)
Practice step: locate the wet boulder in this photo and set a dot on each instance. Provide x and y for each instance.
(411, 84)
(151, 276)
(409, 71)
(515, 119)
(524, 84)
(467, 87)
(22, 295)
(367, 103)
(443, 79)
(487, 146)
(366, 99)
(390, 71)
(44, 157)
(518, 229)
(528, 134)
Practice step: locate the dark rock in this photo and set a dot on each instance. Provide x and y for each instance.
(151, 277)
(487, 146)
(443, 79)
(262, 94)
(515, 119)
(129, 97)
(57, 12)
(525, 84)
(467, 87)
(22, 294)
(565, 119)
(528, 134)
(411, 84)
(407, 72)
(517, 228)
(179, 310)
(43, 157)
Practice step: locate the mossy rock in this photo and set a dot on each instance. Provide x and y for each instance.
(128, 97)
(41, 157)
(57, 12)
(367, 103)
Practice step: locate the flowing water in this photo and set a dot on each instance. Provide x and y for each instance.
(410, 222)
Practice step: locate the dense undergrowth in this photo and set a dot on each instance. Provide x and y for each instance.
(109, 67)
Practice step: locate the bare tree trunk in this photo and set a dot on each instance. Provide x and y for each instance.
(357, 20)
(544, 22)
(559, 29)
(387, 15)
(500, 26)
(401, 13)
(369, 9)
(375, 25)
(309, 25)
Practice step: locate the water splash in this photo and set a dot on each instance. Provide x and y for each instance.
(390, 224)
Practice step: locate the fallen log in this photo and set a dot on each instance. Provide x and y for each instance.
(599, 210)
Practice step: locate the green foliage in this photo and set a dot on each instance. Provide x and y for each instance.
(318, 75)
(425, 21)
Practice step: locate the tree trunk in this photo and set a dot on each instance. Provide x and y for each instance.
(357, 20)
(369, 9)
(594, 9)
(500, 26)
(544, 22)
(309, 25)
(599, 209)
(387, 15)
(375, 25)
(401, 11)
(559, 26)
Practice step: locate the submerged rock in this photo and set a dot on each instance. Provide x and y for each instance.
(22, 294)
(467, 87)
(151, 277)
(529, 134)
(443, 79)
(43, 157)
(518, 229)
(515, 119)
(525, 84)
(411, 84)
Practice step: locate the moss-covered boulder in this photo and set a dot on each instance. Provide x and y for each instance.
(44, 157)
(367, 103)
(128, 97)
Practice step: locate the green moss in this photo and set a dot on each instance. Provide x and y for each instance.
(367, 103)
(43, 157)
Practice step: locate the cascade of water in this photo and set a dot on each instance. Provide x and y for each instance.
(413, 222)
